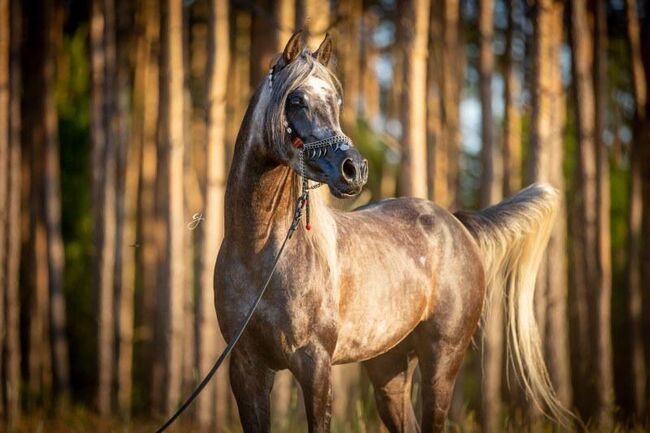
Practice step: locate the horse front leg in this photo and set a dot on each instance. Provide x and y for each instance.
(312, 367)
(251, 382)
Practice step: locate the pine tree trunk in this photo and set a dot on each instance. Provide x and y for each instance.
(603, 298)
(554, 266)
(173, 135)
(415, 25)
(512, 121)
(102, 35)
(588, 263)
(315, 19)
(130, 140)
(348, 45)
(491, 192)
(453, 64)
(60, 365)
(36, 299)
(4, 181)
(634, 301)
(286, 19)
(263, 36)
(437, 152)
(644, 145)
(370, 90)
(149, 242)
(12, 354)
(545, 165)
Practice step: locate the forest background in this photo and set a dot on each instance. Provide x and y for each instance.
(459, 101)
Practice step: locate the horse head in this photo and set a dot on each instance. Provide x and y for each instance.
(303, 127)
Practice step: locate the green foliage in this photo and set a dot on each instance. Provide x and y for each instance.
(72, 97)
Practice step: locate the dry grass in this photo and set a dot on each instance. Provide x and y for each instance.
(83, 421)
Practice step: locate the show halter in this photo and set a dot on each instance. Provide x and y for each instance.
(315, 149)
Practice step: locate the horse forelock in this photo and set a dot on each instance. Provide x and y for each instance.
(285, 80)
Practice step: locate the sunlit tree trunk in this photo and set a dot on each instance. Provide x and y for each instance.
(415, 25)
(148, 243)
(370, 106)
(4, 179)
(588, 182)
(603, 300)
(453, 65)
(437, 152)
(545, 165)
(35, 300)
(644, 145)
(129, 139)
(634, 301)
(554, 267)
(172, 296)
(286, 19)
(210, 342)
(512, 121)
(263, 40)
(11, 389)
(315, 19)
(491, 192)
(348, 46)
(60, 368)
(102, 40)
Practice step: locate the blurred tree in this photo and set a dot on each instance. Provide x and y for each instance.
(602, 303)
(645, 178)
(264, 35)
(437, 152)
(11, 351)
(588, 237)
(634, 302)
(512, 121)
(5, 90)
(314, 17)
(348, 45)
(211, 405)
(53, 35)
(491, 192)
(453, 64)
(415, 28)
(102, 46)
(150, 237)
(370, 108)
(171, 133)
(129, 141)
(546, 159)
(35, 299)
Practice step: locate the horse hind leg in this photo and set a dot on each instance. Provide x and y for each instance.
(391, 375)
(440, 360)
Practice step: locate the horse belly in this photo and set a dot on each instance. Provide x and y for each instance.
(377, 315)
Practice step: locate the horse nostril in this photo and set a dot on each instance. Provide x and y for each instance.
(364, 170)
(349, 170)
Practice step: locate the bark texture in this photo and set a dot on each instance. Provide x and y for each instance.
(415, 28)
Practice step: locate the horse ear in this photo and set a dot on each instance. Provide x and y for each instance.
(324, 51)
(293, 48)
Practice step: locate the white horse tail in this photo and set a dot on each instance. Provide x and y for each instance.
(512, 236)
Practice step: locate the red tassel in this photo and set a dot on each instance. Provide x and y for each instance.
(308, 226)
(297, 142)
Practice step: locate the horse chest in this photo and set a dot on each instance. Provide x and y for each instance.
(292, 313)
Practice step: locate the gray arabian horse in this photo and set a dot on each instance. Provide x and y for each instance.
(391, 285)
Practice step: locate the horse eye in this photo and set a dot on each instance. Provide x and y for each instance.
(296, 101)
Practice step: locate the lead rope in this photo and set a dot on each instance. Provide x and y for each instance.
(301, 202)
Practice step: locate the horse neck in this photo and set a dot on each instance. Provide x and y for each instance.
(261, 194)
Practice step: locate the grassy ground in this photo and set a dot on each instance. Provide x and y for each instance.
(83, 421)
